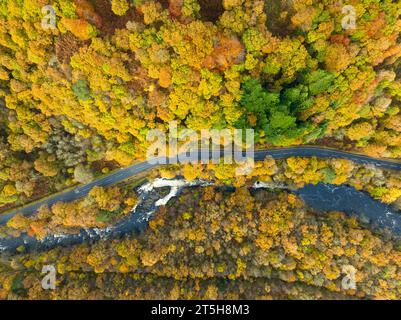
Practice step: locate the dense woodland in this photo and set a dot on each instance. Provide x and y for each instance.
(79, 94)
(80, 97)
(215, 244)
(100, 208)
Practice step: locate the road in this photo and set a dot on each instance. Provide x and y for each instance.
(259, 155)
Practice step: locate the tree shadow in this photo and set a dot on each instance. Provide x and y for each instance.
(279, 13)
(210, 10)
(111, 21)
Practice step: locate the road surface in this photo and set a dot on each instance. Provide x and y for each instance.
(259, 155)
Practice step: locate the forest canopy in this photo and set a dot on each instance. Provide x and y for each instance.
(83, 82)
(212, 244)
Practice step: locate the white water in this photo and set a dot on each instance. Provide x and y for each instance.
(175, 186)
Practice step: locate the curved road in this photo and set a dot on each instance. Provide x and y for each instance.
(124, 173)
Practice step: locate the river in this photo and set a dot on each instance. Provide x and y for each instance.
(321, 197)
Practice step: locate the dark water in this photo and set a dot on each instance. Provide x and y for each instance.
(320, 197)
(326, 197)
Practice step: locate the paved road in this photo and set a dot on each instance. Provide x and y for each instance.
(124, 173)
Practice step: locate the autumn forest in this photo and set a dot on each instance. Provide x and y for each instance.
(83, 82)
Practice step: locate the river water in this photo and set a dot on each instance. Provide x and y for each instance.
(321, 197)
(327, 197)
